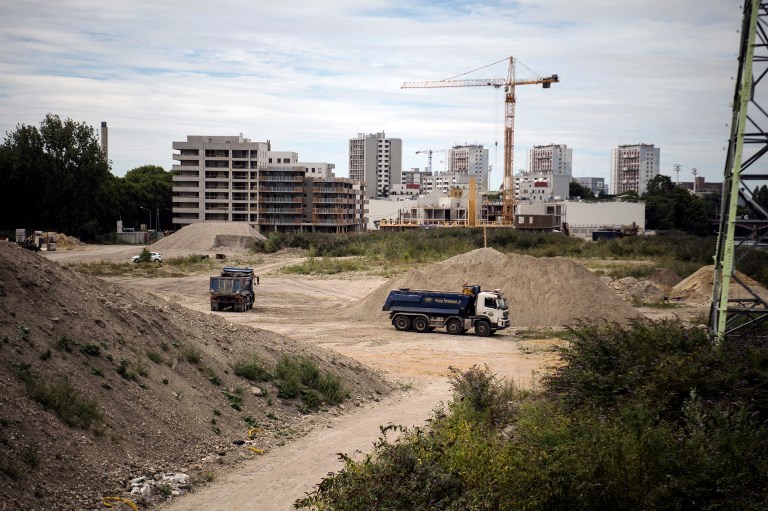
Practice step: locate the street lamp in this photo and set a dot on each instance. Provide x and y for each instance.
(150, 216)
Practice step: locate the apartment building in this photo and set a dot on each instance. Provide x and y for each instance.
(551, 159)
(548, 175)
(541, 186)
(470, 160)
(632, 166)
(221, 178)
(376, 161)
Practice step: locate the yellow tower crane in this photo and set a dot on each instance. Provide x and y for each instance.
(509, 84)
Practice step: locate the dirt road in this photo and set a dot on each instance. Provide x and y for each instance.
(312, 309)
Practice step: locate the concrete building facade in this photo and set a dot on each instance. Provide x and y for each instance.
(541, 186)
(551, 159)
(632, 166)
(470, 160)
(221, 178)
(376, 161)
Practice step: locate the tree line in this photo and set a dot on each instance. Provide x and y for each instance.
(55, 178)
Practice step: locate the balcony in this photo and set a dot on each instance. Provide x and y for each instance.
(281, 189)
(280, 211)
(281, 179)
(217, 153)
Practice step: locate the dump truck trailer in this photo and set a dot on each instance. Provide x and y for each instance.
(423, 311)
(233, 288)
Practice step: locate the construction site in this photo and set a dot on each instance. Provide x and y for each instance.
(158, 363)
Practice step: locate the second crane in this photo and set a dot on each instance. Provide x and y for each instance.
(509, 84)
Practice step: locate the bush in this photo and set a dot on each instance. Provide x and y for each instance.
(252, 369)
(296, 376)
(649, 417)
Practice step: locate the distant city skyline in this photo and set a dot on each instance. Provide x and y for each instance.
(309, 76)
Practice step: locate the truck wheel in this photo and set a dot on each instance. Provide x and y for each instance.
(214, 306)
(420, 324)
(402, 323)
(482, 328)
(454, 327)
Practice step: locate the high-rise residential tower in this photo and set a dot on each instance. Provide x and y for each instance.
(376, 161)
(470, 160)
(632, 166)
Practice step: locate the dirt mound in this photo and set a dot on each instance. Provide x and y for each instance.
(635, 290)
(664, 279)
(540, 291)
(67, 242)
(158, 377)
(204, 237)
(697, 287)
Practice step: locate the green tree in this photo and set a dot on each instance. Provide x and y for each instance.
(150, 187)
(54, 177)
(670, 207)
(578, 190)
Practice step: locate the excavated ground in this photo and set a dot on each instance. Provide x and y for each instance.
(167, 419)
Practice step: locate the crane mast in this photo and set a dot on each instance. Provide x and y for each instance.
(508, 188)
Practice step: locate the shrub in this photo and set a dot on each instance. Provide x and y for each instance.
(297, 375)
(192, 354)
(251, 368)
(155, 357)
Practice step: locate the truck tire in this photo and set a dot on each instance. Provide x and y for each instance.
(214, 306)
(420, 324)
(454, 326)
(482, 328)
(402, 323)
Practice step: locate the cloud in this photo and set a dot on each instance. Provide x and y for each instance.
(310, 75)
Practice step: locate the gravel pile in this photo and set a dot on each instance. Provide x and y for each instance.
(542, 292)
(209, 236)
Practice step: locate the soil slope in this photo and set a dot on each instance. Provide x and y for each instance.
(160, 375)
(541, 292)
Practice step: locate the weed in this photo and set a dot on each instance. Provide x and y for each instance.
(46, 354)
(296, 376)
(65, 344)
(155, 357)
(271, 416)
(216, 412)
(251, 421)
(93, 350)
(213, 377)
(234, 400)
(164, 489)
(60, 395)
(106, 385)
(165, 381)
(216, 429)
(192, 354)
(131, 371)
(97, 372)
(23, 333)
(164, 346)
(251, 368)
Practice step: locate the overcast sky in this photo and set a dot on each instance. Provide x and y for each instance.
(310, 75)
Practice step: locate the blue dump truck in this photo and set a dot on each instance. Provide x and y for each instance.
(233, 288)
(423, 311)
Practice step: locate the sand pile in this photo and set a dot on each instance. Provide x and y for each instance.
(64, 241)
(664, 279)
(540, 291)
(698, 287)
(206, 236)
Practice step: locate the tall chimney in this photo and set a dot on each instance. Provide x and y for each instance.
(104, 140)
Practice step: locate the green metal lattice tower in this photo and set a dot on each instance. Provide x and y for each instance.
(736, 307)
